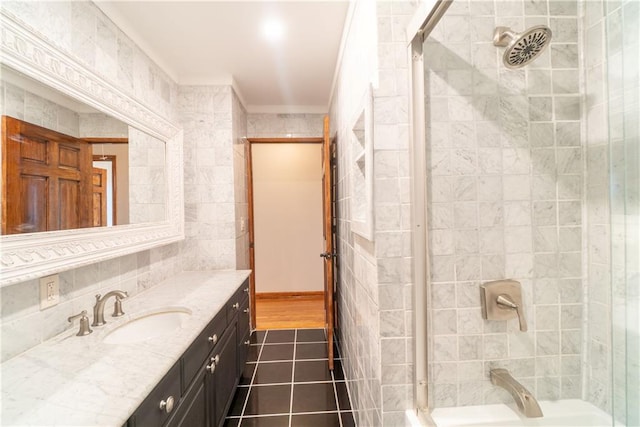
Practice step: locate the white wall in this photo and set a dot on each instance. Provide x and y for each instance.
(287, 191)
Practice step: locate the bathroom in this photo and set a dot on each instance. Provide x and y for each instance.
(531, 174)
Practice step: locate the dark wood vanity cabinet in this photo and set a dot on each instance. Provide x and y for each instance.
(207, 374)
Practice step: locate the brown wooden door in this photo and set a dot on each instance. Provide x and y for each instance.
(328, 254)
(99, 181)
(47, 179)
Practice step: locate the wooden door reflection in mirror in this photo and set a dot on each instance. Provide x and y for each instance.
(47, 179)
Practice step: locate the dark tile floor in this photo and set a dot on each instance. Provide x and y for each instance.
(287, 383)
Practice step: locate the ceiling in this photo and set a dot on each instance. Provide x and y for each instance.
(224, 42)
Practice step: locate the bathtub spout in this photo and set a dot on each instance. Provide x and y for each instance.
(527, 404)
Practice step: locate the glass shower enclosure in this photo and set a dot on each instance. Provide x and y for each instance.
(528, 171)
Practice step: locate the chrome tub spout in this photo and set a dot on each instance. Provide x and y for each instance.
(527, 404)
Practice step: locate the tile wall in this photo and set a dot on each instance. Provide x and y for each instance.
(24, 105)
(505, 183)
(210, 222)
(81, 30)
(265, 125)
(375, 291)
(240, 183)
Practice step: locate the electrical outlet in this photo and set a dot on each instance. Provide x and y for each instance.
(49, 291)
(243, 225)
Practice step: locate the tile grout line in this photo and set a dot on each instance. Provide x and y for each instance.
(293, 374)
(335, 394)
(253, 375)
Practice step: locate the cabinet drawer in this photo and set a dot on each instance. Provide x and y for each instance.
(200, 348)
(152, 412)
(238, 299)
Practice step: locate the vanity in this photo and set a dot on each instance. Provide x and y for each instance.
(182, 373)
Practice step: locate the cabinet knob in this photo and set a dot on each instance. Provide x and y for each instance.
(167, 405)
(246, 290)
(216, 359)
(236, 305)
(246, 310)
(213, 338)
(247, 342)
(212, 367)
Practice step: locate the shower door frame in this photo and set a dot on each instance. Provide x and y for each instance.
(424, 20)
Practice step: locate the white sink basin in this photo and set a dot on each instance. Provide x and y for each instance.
(147, 327)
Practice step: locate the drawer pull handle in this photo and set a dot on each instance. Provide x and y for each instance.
(246, 290)
(236, 305)
(216, 359)
(213, 339)
(247, 342)
(167, 405)
(212, 367)
(246, 310)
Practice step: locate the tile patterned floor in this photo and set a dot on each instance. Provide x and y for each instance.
(286, 383)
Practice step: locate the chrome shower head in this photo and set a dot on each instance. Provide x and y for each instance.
(521, 48)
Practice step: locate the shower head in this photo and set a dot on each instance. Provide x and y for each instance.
(521, 48)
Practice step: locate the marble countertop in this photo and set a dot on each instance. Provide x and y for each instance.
(82, 381)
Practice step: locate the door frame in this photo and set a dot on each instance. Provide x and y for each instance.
(250, 215)
(114, 188)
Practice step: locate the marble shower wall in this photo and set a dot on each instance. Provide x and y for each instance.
(505, 179)
(82, 31)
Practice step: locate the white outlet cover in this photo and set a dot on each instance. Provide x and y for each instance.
(49, 291)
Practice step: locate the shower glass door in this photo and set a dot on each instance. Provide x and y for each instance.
(623, 62)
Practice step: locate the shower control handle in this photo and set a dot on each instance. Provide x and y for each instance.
(502, 300)
(505, 301)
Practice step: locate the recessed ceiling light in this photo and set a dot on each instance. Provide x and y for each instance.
(273, 30)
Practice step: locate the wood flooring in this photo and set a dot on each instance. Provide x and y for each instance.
(290, 312)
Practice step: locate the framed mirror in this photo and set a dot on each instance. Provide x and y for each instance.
(133, 199)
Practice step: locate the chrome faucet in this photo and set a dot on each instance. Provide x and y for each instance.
(527, 404)
(98, 309)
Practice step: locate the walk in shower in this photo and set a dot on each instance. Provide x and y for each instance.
(527, 162)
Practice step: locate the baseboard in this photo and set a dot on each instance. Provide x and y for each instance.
(285, 295)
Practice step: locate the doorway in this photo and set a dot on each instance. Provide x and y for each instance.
(287, 206)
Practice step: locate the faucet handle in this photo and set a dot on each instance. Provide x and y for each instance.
(84, 323)
(117, 308)
(506, 301)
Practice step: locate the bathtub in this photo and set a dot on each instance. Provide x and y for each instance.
(570, 412)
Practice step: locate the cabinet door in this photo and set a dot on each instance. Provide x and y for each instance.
(225, 377)
(194, 408)
(157, 407)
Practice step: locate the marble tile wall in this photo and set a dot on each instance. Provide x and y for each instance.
(147, 179)
(210, 221)
(82, 31)
(505, 179)
(265, 125)
(101, 125)
(24, 105)
(240, 183)
(375, 290)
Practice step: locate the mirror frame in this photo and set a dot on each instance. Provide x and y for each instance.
(28, 256)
